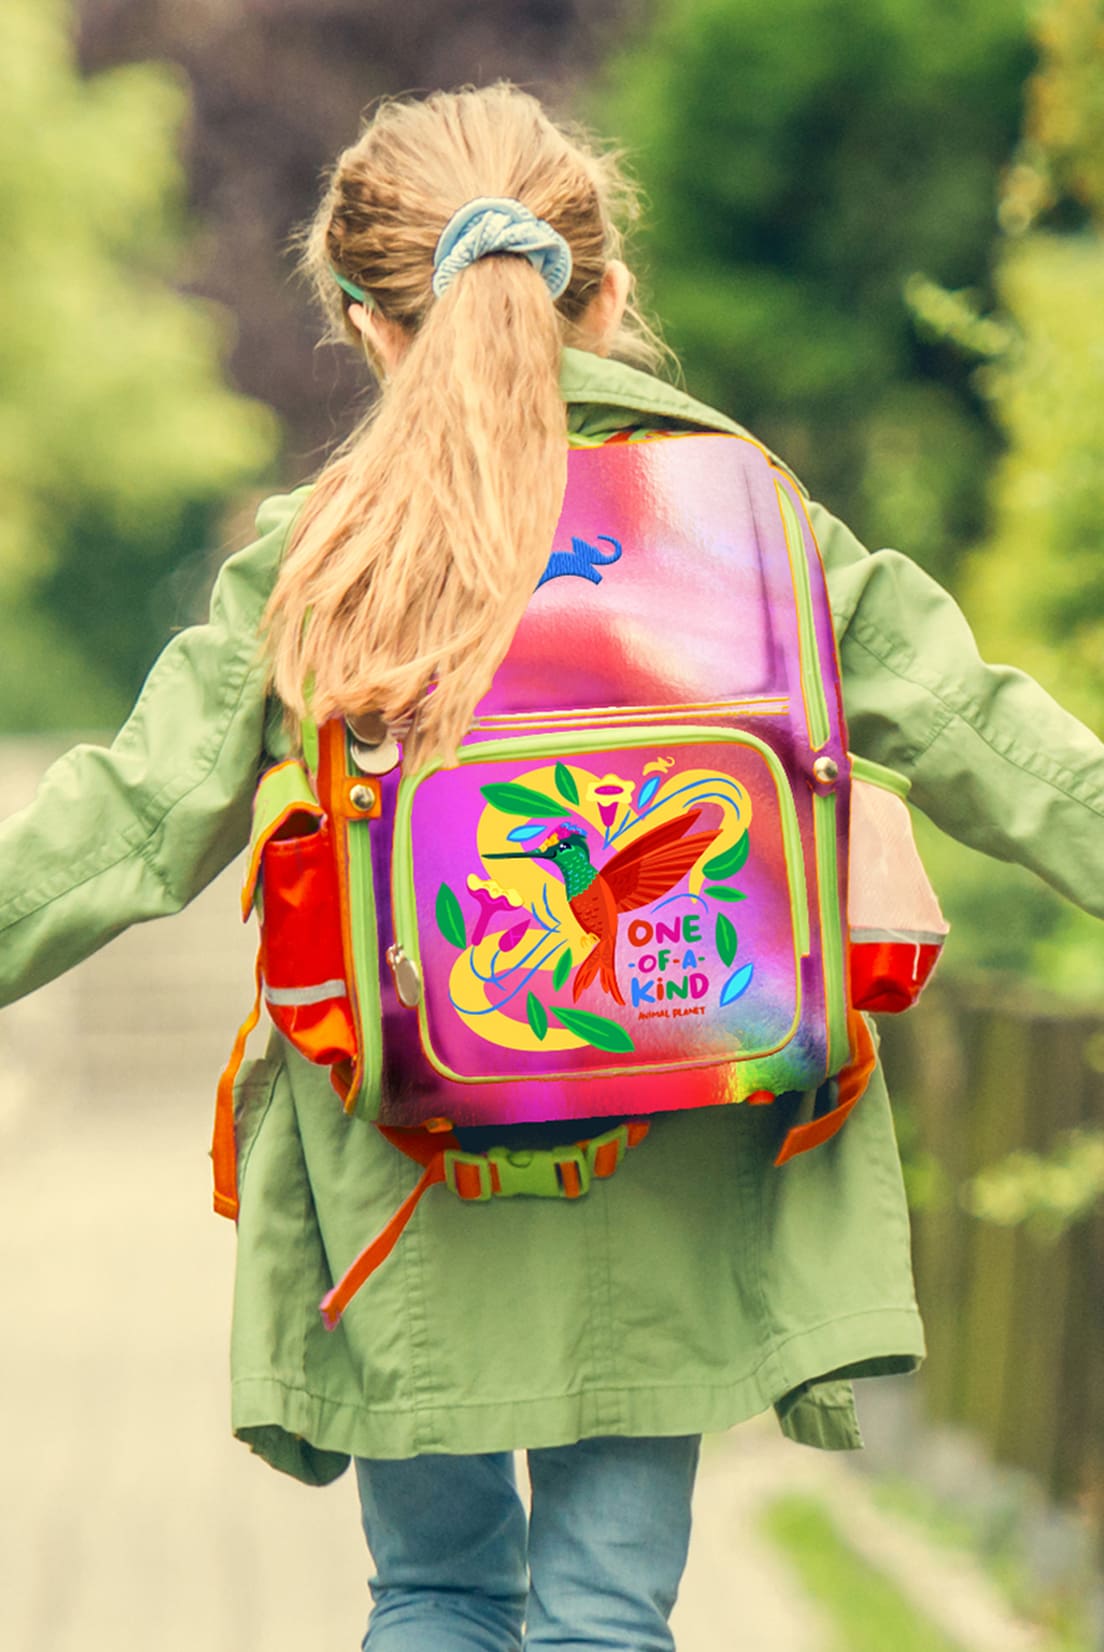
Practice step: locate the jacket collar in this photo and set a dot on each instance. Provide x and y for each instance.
(599, 392)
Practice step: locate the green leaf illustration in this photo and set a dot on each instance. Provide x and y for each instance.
(721, 892)
(726, 939)
(513, 799)
(565, 783)
(598, 1030)
(562, 969)
(538, 1015)
(450, 919)
(731, 862)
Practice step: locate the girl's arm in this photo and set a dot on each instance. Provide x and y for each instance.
(121, 834)
(993, 760)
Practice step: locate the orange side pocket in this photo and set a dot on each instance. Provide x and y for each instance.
(897, 928)
(303, 969)
(291, 879)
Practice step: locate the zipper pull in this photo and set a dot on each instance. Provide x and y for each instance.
(408, 978)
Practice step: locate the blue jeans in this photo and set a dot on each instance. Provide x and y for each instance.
(597, 1564)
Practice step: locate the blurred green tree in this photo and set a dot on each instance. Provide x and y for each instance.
(802, 160)
(1035, 587)
(119, 445)
(278, 89)
(1039, 579)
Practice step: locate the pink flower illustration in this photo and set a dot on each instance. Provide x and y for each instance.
(491, 899)
(610, 793)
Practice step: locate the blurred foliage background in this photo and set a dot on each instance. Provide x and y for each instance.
(121, 442)
(158, 364)
(796, 184)
(872, 232)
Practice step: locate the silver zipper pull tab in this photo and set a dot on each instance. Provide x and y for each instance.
(374, 747)
(377, 760)
(408, 977)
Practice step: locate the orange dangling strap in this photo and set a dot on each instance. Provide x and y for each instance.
(470, 1176)
(334, 1303)
(853, 1081)
(224, 1156)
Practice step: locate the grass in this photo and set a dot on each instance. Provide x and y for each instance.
(993, 1533)
(867, 1611)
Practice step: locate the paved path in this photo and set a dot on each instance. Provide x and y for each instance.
(128, 1516)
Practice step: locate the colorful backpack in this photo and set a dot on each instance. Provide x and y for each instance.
(630, 894)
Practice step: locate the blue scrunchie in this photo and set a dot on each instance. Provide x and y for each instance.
(498, 224)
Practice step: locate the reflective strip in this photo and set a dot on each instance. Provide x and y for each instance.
(304, 995)
(906, 937)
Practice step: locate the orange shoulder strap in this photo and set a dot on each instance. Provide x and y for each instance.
(224, 1155)
(853, 1081)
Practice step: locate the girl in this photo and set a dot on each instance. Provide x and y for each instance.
(471, 248)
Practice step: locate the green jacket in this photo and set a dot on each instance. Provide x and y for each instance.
(697, 1287)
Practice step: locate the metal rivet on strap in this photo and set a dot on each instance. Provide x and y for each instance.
(363, 797)
(826, 771)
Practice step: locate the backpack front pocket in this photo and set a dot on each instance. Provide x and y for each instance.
(611, 900)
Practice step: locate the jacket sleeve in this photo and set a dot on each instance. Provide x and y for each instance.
(993, 760)
(117, 835)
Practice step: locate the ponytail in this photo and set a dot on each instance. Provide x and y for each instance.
(416, 553)
(411, 563)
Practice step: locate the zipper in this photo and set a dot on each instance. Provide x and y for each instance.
(831, 928)
(812, 685)
(406, 976)
(824, 804)
(775, 705)
(365, 958)
(404, 905)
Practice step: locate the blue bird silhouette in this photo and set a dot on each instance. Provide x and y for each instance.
(582, 559)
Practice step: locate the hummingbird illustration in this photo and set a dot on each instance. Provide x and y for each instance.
(643, 872)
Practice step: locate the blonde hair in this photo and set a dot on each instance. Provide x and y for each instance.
(427, 531)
